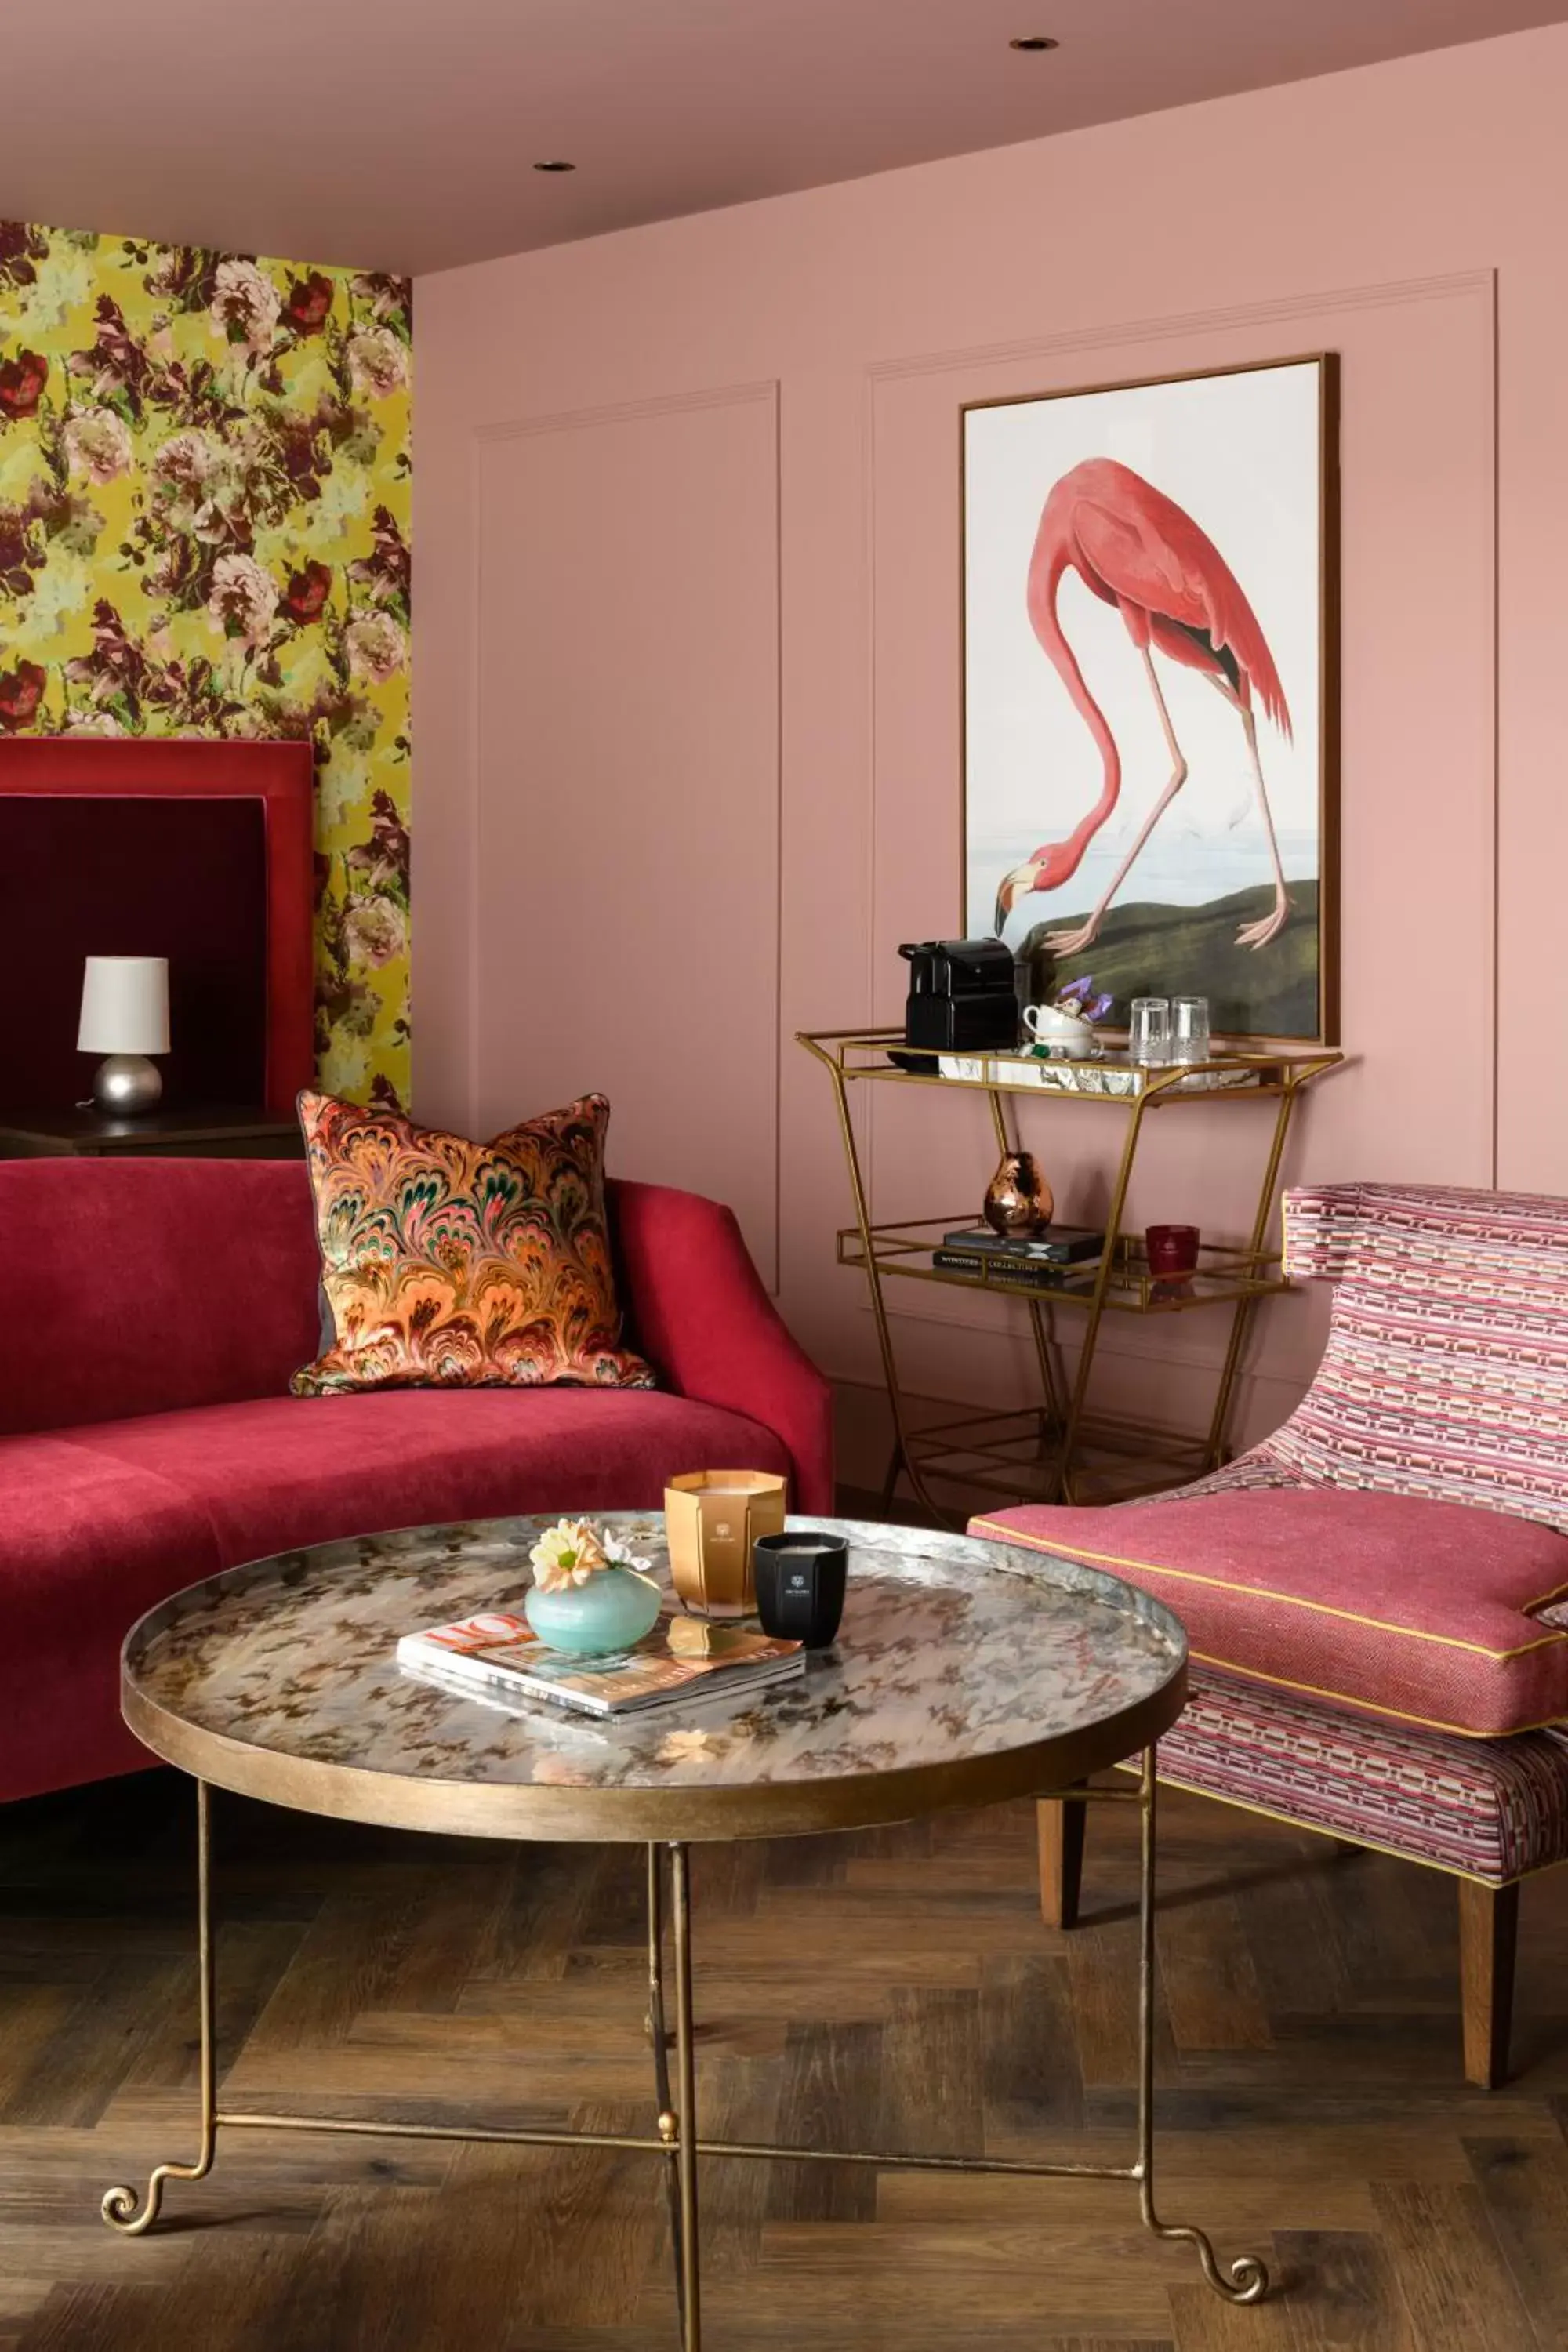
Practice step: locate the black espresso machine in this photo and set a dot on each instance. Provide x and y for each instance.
(962, 997)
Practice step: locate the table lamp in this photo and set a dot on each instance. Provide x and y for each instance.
(125, 1016)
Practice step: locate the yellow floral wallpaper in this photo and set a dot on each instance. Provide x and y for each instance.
(204, 496)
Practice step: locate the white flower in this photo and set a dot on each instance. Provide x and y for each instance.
(377, 648)
(620, 1555)
(566, 1555)
(377, 362)
(243, 599)
(318, 527)
(244, 304)
(186, 459)
(63, 284)
(343, 787)
(98, 443)
(374, 928)
(56, 602)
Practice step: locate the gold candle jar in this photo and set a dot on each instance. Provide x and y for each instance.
(712, 1519)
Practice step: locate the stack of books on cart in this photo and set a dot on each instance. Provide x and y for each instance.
(1016, 1262)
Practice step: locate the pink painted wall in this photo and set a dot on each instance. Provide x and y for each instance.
(688, 657)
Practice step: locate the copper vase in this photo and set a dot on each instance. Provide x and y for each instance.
(1019, 1199)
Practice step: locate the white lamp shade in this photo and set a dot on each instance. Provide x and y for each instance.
(124, 1005)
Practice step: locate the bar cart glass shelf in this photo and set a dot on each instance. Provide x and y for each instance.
(1058, 1451)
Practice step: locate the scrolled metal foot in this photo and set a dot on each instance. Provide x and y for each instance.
(1247, 2280)
(123, 2210)
(131, 2215)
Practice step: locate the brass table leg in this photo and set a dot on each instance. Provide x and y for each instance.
(678, 2142)
(685, 2085)
(1249, 2280)
(659, 2035)
(120, 2205)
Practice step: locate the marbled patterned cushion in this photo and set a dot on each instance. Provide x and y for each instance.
(458, 1265)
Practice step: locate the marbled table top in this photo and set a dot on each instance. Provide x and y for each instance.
(955, 1656)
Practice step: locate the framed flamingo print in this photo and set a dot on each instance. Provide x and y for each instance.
(1149, 709)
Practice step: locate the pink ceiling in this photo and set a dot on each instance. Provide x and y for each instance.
(400, 133)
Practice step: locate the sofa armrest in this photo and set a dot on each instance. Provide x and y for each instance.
(699, 1313)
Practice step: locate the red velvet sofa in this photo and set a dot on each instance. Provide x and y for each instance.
(156, 1311)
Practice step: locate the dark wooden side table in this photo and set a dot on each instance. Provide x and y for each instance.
(164, 1135)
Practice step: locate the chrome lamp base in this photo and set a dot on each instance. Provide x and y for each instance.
(126, 1085)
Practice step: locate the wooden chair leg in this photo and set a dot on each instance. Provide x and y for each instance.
(1061, 1827)
(1488, 1933)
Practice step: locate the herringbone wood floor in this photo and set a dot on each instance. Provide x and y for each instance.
(895, 1987)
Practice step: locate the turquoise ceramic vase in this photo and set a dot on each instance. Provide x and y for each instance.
(611, 1611)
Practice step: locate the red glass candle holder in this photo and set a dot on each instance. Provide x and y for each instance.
(1172, 1249)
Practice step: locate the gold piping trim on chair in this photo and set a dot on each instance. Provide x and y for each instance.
(1370, 1706)
(1286, 1600)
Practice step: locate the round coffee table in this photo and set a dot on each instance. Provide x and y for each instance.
(964, 1673)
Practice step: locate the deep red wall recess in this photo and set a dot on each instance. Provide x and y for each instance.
(279, 778)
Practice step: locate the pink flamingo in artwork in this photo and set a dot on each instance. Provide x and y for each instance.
(1138, 550)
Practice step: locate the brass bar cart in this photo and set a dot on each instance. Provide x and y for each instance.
(1037, 1452)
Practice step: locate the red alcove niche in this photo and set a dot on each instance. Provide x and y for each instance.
(197, 851)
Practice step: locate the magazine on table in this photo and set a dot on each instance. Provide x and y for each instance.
(499, 1656)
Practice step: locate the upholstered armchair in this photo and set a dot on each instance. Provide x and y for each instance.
(1445, 1376)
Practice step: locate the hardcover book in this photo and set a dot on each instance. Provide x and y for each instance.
(1006, 1272)
(499, 1656)
(1050, 1249)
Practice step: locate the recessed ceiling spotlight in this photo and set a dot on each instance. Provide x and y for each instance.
(1034, 43)
(553, 164)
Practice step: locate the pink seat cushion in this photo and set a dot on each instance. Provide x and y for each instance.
(1429, 1612)
(87, 1544)
(280, 1472)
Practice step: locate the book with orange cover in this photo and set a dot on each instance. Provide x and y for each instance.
(497, 1656)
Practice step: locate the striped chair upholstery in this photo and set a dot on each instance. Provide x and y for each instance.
(1446, 1374)
(1492, 1809)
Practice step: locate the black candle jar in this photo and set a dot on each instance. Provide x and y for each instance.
(800, 1577)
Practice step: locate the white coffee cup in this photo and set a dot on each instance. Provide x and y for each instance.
(1060, 1031)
